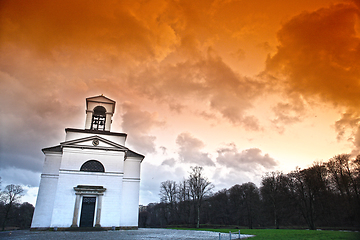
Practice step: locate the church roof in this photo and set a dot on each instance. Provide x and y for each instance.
(130, 153)
(57, 148)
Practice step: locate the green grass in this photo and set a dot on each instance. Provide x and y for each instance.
(284, 234)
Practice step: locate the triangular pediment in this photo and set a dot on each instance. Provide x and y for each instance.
(101, 99)
(94, 142)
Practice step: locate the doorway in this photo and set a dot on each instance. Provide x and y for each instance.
(87, 212)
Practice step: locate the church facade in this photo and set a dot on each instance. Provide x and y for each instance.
(91, 179)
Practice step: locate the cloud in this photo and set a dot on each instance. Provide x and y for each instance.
(291, 111)
(249, 160)
(317, 55)
(356, 141)
(18, 176)
(122, 46)
(207, 79)
(225, 178)
(137, 124)
(348, 120)
(348, 125)
(318, 58)
(102, 31)
(170, 162)
(190, 150)
(239, 54)
(152, 176)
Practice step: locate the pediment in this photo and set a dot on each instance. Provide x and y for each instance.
(94, 142)
(100, 98)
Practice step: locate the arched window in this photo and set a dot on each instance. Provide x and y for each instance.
(98, 119)
(92, 166)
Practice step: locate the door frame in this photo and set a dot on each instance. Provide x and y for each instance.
(87, 191)
(81, 208)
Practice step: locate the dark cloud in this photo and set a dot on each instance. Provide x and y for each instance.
(348, 120)
(170, 162)
(19, 176)
(190, 150)
(290, 112)
(265, 46)
(206, 79)
(318, 58)
(112, 31)
(137, 124)
(239, 54)
(318, 55)
(118, 46)
(249, 160)
(356, 142)
(349, 127)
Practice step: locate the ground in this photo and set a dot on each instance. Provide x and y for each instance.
(141, 234)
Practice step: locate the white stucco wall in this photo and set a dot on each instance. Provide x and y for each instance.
(47, 191)
(65, 197)
(74, 158)
(130, 194)
(130, 203)
(45, 202)
(132, 168)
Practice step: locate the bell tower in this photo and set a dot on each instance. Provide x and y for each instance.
(99, 112)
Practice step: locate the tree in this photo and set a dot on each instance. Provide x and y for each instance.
(199, 187)
(168, 191)
(10, 196)
(23, 215)
(168, 195)
(343, 174)
(274, 194)
(245, 200)
(308, 189)
(219, 210)
(183, 197)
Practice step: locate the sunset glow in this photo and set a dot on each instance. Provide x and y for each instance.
(238, 87)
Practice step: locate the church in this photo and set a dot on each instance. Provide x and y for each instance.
(91, 179)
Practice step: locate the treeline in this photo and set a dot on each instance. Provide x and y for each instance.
(14, 215)
(323, 195)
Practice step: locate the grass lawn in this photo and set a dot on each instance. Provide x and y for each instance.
(283, 234)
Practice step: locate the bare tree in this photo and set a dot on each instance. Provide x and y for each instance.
(168, 191)
(343, 175)
(199, 187)
(274, 192)
(11, 195)
(168, 196)
(183, 197)
(245, 199)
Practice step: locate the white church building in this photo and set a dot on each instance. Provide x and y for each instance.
(91, 179)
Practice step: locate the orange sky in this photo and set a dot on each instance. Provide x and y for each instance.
(239, 87)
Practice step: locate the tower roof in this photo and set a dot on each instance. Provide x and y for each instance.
(99, 99)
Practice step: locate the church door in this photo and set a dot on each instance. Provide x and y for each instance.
(87, 212)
